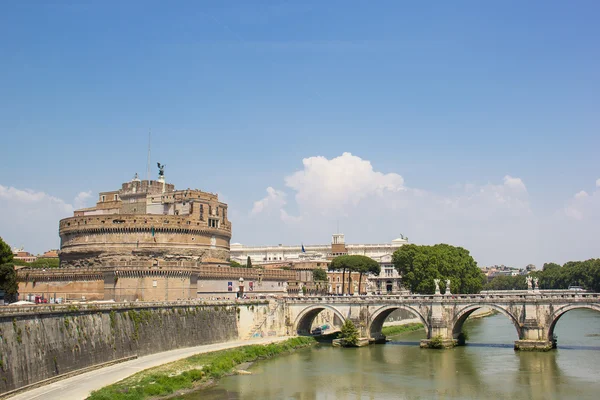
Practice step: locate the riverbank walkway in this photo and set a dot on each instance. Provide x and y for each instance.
(79, 387)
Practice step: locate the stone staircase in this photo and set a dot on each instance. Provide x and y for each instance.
(273, 306)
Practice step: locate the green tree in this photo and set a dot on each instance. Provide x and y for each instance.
(364, 266)
(6, 254)
(8, 275)
(319, 274)
(341, 263)
(552, 276)
(550, 266)
(248, 262)
(235, 264)
(44, 263)
(8, 282)
(349, 333)
(505, 282)
(420, 265)
(355, 263)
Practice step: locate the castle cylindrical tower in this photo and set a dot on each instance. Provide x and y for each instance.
(146, 222)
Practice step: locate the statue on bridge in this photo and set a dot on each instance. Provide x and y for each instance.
(437, 286)
(536, 285)
(529, 281)
(448, 287)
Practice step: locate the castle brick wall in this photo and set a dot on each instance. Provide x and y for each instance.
(140, 281)
(63, 289)
(100, 240)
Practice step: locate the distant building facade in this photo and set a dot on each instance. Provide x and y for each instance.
(309, 257)
(21, 254)
(388, 281)
(264, 255)
(50, 254)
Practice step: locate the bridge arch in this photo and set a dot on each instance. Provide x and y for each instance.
(306, 317)
(555, 316)
(463, 314)
(379, 316)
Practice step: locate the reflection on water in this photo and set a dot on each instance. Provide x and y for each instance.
(488, 368)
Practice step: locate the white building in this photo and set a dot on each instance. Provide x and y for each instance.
(388, 280)
(381, 252)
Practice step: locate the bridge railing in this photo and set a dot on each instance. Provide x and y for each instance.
(498, 295)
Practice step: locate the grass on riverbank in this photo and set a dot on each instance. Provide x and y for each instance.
(398, 329)
(193, 371)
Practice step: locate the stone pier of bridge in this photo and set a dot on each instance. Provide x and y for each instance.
(534, 314)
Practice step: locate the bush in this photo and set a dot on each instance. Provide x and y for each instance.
(436, 342)
(349, 333)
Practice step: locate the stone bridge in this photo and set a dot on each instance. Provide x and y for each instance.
(534, 314)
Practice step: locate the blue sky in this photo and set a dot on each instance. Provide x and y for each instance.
(452, 96)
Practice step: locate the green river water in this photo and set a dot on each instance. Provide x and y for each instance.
(487, 368)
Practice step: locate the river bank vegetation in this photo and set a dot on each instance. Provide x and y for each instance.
(193, 372)
(399, 329)
(553, 276)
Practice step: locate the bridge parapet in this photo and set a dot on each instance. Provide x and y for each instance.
(455, 298)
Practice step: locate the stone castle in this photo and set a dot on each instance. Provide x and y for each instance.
(147, 221)
(146, 241)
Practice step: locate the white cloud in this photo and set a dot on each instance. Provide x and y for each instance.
(573, 212)
(494, 220)
(285, 217)
(598, 183)
(584, 206)
(514, 183)
(82, 199)
(344, 180)
(274, 199)
(30, 218)
(31, 197)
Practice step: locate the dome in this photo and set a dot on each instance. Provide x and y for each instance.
(400, 240)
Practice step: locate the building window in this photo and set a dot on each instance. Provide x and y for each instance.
(116, 197)
(102, 198)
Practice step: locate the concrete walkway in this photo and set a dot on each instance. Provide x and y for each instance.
(80, 386)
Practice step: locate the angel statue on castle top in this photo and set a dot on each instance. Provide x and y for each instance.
(161, 169)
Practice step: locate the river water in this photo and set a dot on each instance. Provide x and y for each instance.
(487, 368)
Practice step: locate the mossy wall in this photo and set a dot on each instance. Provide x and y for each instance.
(34, 347)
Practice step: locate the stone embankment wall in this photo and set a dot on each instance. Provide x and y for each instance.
(41, 342)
